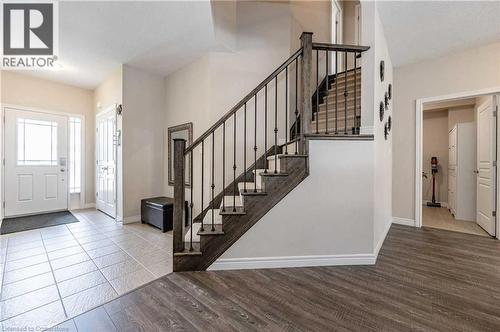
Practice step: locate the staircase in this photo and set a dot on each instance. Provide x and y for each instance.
(338, 109)
(225, 206)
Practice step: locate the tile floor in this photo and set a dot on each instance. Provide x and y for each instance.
(443, 219)
(51, 274)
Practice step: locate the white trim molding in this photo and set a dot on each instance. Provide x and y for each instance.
(132, 219)
(419, 111)
(291, 261)
(404, 221)
(381, 241)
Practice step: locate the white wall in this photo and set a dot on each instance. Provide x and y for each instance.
(469, 70)
(109, 93)
(31, 92)
(143, 131)
(383, 147)
(326, 220)
(435, 144)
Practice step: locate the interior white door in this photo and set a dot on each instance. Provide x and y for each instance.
(486, 147)
(336, 33)
(36, 152)
(106, 162)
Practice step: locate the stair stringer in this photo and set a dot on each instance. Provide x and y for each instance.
(234, 226)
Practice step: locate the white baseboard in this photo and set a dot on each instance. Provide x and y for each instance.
(291, 261)
(443, 204)
(367, 130)
(89, 206)
(381, 241)
(403, 221)
(129, 220)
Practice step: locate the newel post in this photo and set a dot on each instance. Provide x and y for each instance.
(179, 194)
(305, 87)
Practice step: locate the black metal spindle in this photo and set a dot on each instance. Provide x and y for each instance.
(327, 90)
(286, 110)
(265, 128)
(245, 147)
(354, 130)
(336, 93)
(213, 177)
(202, 180)
(276, 124)
(296, 104)
(191, 203)
(255, 146)
(234, 162)
(345, 92)
(317, 92)
(224, 166)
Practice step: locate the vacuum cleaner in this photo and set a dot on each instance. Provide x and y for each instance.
(434, 170)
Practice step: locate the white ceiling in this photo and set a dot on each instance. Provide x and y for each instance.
(96, 37)
(420, 30)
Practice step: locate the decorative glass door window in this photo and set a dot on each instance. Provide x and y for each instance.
(36, 143)
(75, 155)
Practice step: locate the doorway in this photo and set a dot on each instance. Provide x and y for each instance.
(106, 153)
(35, 162)
(456, 163)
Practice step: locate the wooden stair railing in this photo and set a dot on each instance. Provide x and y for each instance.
(264, 162)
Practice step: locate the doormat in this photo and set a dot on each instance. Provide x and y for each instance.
(19, 224)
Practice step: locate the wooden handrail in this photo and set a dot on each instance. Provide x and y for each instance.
(243, 101)
(339, 47)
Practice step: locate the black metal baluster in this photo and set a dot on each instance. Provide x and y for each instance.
(224, 166)
(255, 146)
(354, 129)
(265, 128)
(276, 124)
(245, 148)
(336, 93)
(317, 92)
(213, 177)
(345, 92)
(191, 203)
(234, 163)
(296, 104)
(326, 94)
(286, 110)
(202, 180)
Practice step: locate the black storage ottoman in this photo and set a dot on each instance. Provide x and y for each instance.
(159, 212)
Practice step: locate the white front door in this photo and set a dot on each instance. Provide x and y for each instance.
(106, 162)
(486, 147)
(36, 152)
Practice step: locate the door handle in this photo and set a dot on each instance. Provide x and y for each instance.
(475, 171)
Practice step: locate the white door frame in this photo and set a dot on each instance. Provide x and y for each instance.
(40, 110)
(419, 111)
(335, 6)
(110, 108)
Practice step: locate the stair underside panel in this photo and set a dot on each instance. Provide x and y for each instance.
(276, 187)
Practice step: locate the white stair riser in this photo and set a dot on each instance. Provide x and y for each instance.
(228, 201)
(207, 220)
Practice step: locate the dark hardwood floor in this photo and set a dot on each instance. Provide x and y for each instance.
(424, 279)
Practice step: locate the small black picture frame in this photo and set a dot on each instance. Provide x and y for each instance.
(381, 111)
(382, 71)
